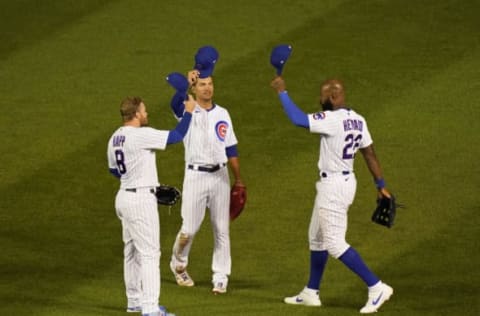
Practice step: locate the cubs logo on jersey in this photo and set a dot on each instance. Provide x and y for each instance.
(221, 130)
(319, 116)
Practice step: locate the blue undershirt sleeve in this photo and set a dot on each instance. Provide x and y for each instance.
(176, 135)
(297, 116)
(115, 172)
(177, 104)
(231, 151)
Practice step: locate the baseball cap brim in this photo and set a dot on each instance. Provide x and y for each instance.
(178, 81)
(279, 57)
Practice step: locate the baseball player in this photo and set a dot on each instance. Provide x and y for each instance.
(131, 157)
(343, 132)
(209, 144)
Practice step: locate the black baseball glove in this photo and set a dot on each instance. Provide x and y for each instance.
(386, 210)
(167, 195)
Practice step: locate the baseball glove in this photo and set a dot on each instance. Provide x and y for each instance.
(238, 198)
(385, 211)
(167, 195)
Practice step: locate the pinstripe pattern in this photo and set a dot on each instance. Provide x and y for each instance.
(138, 211)
(343, 132)
(139, 155)
(202, 190)
(140, 224)
(202, 144)
(328, 225)
(332, 143)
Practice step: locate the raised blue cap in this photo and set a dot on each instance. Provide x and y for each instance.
(205, 61)
(178, 81)
(279, 57)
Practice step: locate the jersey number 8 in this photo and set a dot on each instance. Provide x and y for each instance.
(120, 158)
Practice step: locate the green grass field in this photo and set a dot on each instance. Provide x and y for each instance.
(411, 68)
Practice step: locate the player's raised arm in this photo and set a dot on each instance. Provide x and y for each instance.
(176, 135)
(297, 116)
(177, 105)
(181, 84)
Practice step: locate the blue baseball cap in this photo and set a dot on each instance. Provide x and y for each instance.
(205, 60)
(178, 81)
(279, 57)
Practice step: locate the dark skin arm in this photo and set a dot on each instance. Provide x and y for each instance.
(374, 166)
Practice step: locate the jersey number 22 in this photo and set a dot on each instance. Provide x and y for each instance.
(351, 145)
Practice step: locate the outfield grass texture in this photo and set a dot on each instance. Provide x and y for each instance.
(412, 69)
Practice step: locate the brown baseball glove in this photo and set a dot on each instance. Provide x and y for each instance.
(238, 198)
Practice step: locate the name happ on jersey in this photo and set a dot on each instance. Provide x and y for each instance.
(118, 140)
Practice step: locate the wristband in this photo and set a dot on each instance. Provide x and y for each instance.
(380, 183)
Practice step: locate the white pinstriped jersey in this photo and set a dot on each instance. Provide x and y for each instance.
(131, 150)
(210, 132)
(343, 132)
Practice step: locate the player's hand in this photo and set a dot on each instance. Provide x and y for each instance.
(193, 76)
(189, 104)
(384, 192)
(278, 84)
(239, 182)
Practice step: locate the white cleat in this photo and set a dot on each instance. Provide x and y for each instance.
(161, 312)
(219, 288)
(304, 298)
(182, 277)
(376, 298)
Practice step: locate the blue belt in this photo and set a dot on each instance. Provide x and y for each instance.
(324, 174)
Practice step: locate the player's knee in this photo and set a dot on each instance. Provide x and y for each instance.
(184, 239)
(222, 239)
(149, 256)
(316, 245)
(221, 230)
(220, 224)
(336, 249)
(190, 229)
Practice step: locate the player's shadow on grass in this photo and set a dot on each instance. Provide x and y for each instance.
(233, 285)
